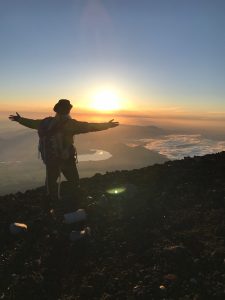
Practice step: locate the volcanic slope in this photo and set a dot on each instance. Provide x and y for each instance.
(156, 233)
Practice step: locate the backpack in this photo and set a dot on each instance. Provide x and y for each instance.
(52, 142)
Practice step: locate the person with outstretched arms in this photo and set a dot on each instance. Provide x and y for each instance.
(56, 144)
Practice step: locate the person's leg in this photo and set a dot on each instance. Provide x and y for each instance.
(69, 170)
(52, 174)
(72, 192)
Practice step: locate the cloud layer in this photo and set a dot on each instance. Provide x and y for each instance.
(179, 146)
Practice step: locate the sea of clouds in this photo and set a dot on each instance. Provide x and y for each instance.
(178, 146)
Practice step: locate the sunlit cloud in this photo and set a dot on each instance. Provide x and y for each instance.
(179, 146)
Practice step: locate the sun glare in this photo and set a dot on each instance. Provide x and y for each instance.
(106, 101)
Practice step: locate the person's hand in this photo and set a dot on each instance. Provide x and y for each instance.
(15, 117)
(112, 123)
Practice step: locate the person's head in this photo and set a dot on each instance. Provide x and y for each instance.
(63, 107)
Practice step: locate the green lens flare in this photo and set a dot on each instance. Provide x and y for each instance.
(116, 191)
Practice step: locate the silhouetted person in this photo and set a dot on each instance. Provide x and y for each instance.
(56, 143)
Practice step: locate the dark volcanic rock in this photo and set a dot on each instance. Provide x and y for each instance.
(158, 234)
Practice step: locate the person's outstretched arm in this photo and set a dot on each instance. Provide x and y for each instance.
(30, 123)
(78, 127)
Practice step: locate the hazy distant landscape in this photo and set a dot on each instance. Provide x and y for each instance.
(126, 147)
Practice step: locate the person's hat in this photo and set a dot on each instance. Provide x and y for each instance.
(63, 106)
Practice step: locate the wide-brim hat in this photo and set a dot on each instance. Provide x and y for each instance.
(63, 106)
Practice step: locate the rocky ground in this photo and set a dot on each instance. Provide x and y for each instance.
(159, 234)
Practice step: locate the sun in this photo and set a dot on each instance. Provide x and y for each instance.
(106, 100)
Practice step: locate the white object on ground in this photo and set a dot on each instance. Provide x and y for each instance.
(77, 216)
(77, 235)
(16, 228)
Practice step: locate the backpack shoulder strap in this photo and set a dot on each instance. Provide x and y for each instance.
(43, 126)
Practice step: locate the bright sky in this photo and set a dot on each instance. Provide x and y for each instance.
(142, 55)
